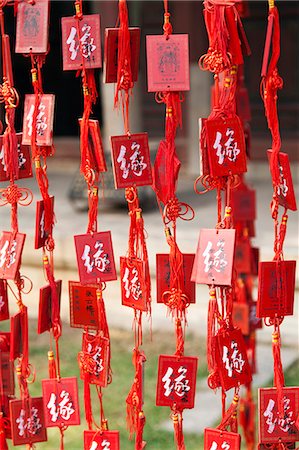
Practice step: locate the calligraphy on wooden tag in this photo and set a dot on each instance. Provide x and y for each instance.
(243, 203)
(4, 305)
(232, 360)
(95, 257)
(111, 53)
(32, 27)
(61, 403)
(93, 359)
(83, 48)
(41, 235)
(7, 374)
(285, 190)
(19, 333)
(101, 440)
(168, 63)
(44, 322)
(240, 317)
(27, 421)
(11, 248)
(221, 440)
(83, 306)
(131, 160)
(163, 276)
(213, 262)
(272, 427)
(226, 147)
(25, 167)
(44, 119)
(96, 153)
(276, 287)
(133, 289)
(176, 381)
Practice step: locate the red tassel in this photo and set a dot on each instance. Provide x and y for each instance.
(92, 209)
(56, 321)
(43, 184)
(278, 370)
(139, 442)
(211, 330)
(3, 443)
(177, 418)
(87, 402)
(51, 365)
(229, 413)
(247, 419)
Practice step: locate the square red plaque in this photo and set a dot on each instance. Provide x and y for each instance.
(272, 428)
(285, 190)
(83, 306)
(95, 257)
(213, 262)
(243, 204)
(41, 235)
(94, 359)
(101, 440)
(111, 53)
(221, 440)
(163, 276)
(232, 360)
(10, 254)
(45, 307)
(7, 374)
(276, 288)
(96, 153)
(131, 160)
(4, 305)
(176, 381)
(27, 421)
(226, 146)
(243, 255)
(89, 41)
(168, 63)
(240, 317)
(133, 288)
(32, 27)
(44, 123)
(25, 167)
(61, 402)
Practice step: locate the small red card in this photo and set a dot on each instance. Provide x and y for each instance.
(6, 374)
(240, 317)
(213, 262)
(176, 381)
(41, 235)
(243, 204)
(285, 190)
(226, 147)
(221, 440)
(111, 53)
(272, 427)
(255, 322)
(95, 257)
(44, 122)
(25, 167)
(242, 260)
(168, 63)
(32, 27)
(231, 358)
(276, 288)
(19, 333)
(133, 288)
(45, 307)
(101, 440)
(131, 160)
(10, 254)
(61, 402)
(163, 276)
(87, 45)
(203, 152)
(93, 359)
(96, 153)
(27, 421)
(83, 306)
(4, 305)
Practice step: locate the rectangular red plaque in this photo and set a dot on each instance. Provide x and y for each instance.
(19, 333)
(45, 307)
(32, 27)
(41, 235)
(168, 63)
(133, 288)
(203, 152)
(272, 428)
(213, 262)
(27, 421)
(61, 402)
(96, 153)
(243, 255)
(4, 305)
(11, 249)
(276, 288)
(176, 381)
(95, 257)
(285, 190)
(7, 373)
(111, 53)
(94, 359)
(226, 146)
(243, 204)
(25, 167)
(240, 317)
(83, 306)
(87, 45)
(221, 440)
(44, 123)
(101, 440)
(131, 160)
(163, 276)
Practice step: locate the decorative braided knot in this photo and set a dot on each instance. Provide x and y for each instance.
(214, 62)
(275, 81)
(175, 299)
(86, 362)
(175, 209)
(13, 194)
(8, 95)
